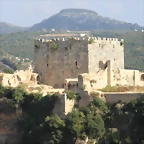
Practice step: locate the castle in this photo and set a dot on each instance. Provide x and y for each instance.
(83, 65)
(91, 63)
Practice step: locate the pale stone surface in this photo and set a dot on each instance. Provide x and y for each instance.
(19, 77)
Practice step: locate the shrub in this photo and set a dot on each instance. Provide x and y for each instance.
(8, 70)
(121, 43)
(91, 41)
(72, 96)
(54, 46)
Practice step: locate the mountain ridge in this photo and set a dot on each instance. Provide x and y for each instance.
(73, 19)
(10, 28)
(82, 19)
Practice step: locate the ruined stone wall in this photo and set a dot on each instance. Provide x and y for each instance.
(127, 77)
(103, 49)
(123, 77)
(22, 76)
(68, 61)
(63, 106)
(92, 82)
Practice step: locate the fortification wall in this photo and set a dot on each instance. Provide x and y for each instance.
(103, 49)
(127, 77)
(123, 77)
(124, 97)
(63, 106)
(68, 61)
(92, 82)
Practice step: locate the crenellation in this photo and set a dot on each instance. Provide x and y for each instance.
(96, 39)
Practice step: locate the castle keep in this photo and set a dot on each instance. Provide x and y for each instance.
(60, 59)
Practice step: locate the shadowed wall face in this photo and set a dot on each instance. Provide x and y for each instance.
(68, 61)
(124, 97)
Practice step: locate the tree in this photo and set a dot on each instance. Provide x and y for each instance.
(75, 123)
(18, 95)
(2, 91)
(94, 126)
(54, 127)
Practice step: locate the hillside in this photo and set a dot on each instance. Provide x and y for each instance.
(22, 45)
(82, 19)
(10, 28)
(11, 62)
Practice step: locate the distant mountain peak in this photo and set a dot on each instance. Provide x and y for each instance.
(76, 10)
(82, 19)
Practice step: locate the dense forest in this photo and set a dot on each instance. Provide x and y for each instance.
(117, 123)
(21, 44)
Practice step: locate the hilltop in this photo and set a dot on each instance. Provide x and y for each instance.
(83, 19)
(73, 19)
(10, 28)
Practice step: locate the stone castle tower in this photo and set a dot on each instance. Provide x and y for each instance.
(56, 60)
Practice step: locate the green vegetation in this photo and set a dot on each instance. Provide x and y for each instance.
(122, 88)
(21, 44)
(11, 64)
(116, 123)
(54, 46)
(72, 96)
(91, 40)
(8, 70)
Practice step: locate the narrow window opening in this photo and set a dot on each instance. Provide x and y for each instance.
(142, 77)
(47, 64)
(76, 63)
(66, 48)
(70, 46)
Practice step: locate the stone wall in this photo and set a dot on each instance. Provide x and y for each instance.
(92, 82)
(102, 50)
(127, 77)
(113, 97)
(75, 56)
(22, 76)
(68, 61)
(63, 106)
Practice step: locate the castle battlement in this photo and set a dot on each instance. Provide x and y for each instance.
(92, 39)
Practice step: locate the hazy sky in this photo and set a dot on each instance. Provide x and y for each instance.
(29, 12)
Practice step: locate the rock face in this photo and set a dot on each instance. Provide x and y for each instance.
(9, 123)
(82, 19)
